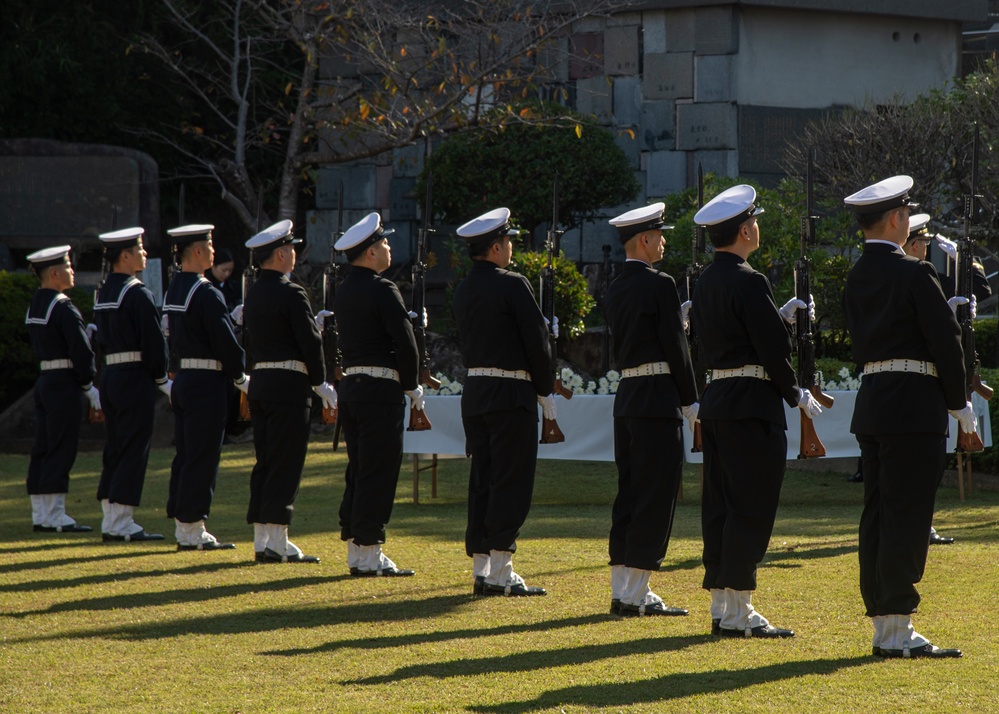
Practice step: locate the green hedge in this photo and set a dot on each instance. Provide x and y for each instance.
(17, 360)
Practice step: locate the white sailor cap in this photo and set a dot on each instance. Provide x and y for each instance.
(274, 236)
(918, 224)
(494, 224)
(366, 232)
(191, 233)
(883, 196)
(47, 257)
(639, 220)
(124, 238)
(729, 209)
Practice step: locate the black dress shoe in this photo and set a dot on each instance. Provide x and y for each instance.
(926, 650)
(937, 539)
(258, 557)
(477, 584)
(271, 556)
(74, 528)
(525, 590)
(141, 535)
(629, 610)
(383, 573)
(764, 631)
(856, 478)
(715, 626)
(213, 545)
(615, 608)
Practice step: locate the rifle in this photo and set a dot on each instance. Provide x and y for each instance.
(418, 418)
(811, 446)
(96, 416)
(550, 433)
(697, 248)
(964, 284)
(331, 339)
(249, 277)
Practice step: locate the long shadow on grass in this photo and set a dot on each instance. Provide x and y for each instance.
(542, 659)
(675, 686)
(420, 638)
(778, 559)
(266, 619)
(21, 566)
(38, 585)
(131, 601)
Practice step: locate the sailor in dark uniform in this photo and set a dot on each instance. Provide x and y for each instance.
(380, 365)
(747, 347)
(135, 354)
(204, 355)
(60, 342)
(286, 356)
(909, 342)
(504, 344)
(656, 393)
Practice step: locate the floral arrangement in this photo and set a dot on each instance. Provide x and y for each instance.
(847, 382)
(605, 385)
(609, 382)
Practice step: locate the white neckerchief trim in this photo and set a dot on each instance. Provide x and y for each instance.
(171, 307)
(29, 320)
(896, 246)
(126, 286)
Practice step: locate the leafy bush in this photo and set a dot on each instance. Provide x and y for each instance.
(17, 360)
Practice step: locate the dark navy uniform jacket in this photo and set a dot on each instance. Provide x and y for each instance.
(643, 309)
(200, 326)
(500, 325)
(127, 321)
(278, 319)
(56, 330)
(375, 330)
(735, 315)
(895, 308)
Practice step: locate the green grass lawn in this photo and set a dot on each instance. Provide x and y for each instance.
(89, 627)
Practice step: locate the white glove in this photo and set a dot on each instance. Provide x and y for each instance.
(423, 324)
(94, 396)
(91, 331)
(947, 246)
(790, 310)
(690, 414)
(553, 325)
(807, 404)
(165, 325)
(327, 393)
(237, 314)
(416, 398)
(320, 320)
(955, 301)
(548, 409)
(966, 418)
(243, 384)
(685, 314)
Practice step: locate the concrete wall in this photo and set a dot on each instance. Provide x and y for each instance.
(816, 60)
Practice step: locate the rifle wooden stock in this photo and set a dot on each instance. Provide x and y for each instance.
(336, 434)
(826, 400)
(969, 442)
(95, 416)
(329, 415)
(811, 446)
(550, 433)
(244, 407)
(418, 420)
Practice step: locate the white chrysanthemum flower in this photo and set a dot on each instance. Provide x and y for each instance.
(604, 384)
(603, 389)
(565, 375)
(456, 387)
(575, 382)
(844, 373)
(613, 375)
